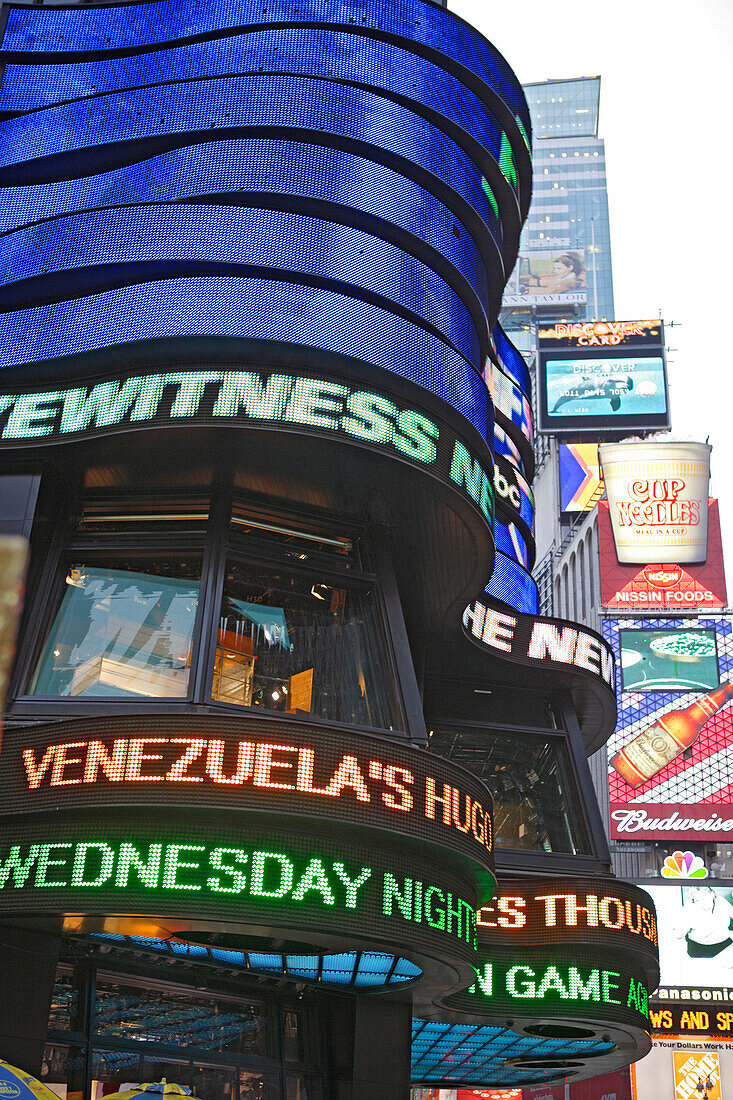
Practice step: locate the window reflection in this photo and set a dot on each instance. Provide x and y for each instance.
(120, 632)
(172, 1019)
(534, 808)
(301, 644)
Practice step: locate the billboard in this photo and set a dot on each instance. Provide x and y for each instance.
(662, 586)
(696, 1074)
(581, 483)
(547, 277)
(602, 377)
(657, 497)
(695, 944)
(671, 755)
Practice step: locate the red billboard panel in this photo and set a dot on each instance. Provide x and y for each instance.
(609, 1086)
(662, 587)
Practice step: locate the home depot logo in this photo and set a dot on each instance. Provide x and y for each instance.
(662, 576)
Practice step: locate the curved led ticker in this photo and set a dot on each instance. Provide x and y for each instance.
(165, 761)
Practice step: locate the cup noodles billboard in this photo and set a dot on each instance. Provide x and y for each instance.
(657, 495)
(670, 759)
(662, 586)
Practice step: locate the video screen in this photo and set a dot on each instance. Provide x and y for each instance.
(695, 935)
(632, 386)
(669, 660)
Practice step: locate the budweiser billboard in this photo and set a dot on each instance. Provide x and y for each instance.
(671, 755)
(661, 586)
(657, 494)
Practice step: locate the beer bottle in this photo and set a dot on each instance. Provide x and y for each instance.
(670, 735)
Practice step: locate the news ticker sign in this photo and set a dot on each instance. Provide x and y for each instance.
(531, 640)
(602, 377)
(542, 982)
(697, 1018)
(197, 869)
(283, 399)
(168, 760)
(658, 497)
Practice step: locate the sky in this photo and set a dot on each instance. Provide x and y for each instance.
(666, 69)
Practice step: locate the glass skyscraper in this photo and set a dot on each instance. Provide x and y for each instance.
(564, 265)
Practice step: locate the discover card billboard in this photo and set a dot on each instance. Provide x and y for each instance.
(671, 755)
(602, 377)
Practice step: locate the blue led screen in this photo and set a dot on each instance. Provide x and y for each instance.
(513, 585)
(348, 180)
(93, 135)
(510, 540)
(511, 361)
(340, 55)
(98, 248)
(258, 170)
(140, 25)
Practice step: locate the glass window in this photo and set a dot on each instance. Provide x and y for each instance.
(65, 1014)
(174, 1019)
(113, 1071)
(123, 629)
(668, 660)
(302, 643)
(62, 1070)
(534, 808)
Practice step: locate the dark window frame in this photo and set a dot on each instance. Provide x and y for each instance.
(219, 540)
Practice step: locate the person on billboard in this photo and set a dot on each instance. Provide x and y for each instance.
(707, 920)
(568, 274)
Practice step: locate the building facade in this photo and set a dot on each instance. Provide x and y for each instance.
(283, 706)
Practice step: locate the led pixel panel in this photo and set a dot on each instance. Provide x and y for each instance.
(343, 888)
(670, 756)
(601, 377)
(340, 779)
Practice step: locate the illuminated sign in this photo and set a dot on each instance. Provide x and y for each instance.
(233, 874)
(600, 377)
(509, 400)
(684, 865)
(571, 911)
(546, 641)
(512, 492)
(695, 942)
(547, 277)
(669, 758)
(601, 334)
(658, 497)
(536, 982)
(662, 586)
(690, 1019)
(696, 1074)
(580, 476)
(167, 760)
(219, 396)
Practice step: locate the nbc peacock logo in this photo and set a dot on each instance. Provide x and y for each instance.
(684, 865)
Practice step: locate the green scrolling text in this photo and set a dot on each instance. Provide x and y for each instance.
(246, 396)
(261, 876)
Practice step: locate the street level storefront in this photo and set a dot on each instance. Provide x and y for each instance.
(294, 794)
